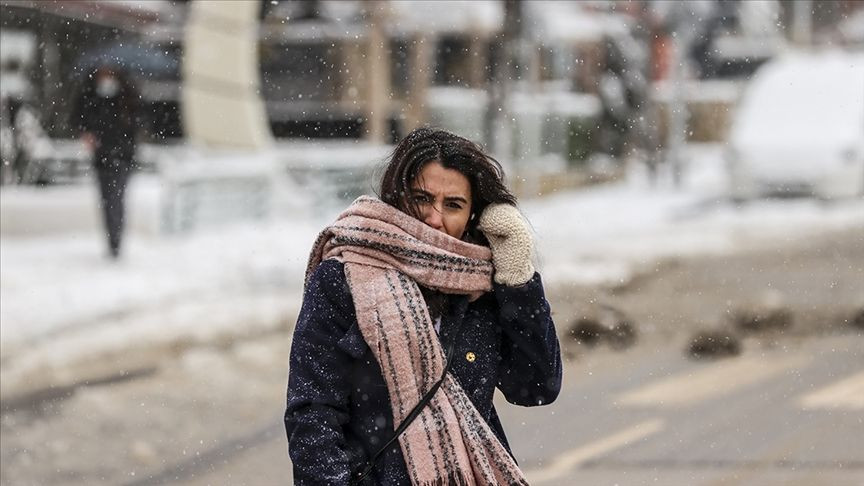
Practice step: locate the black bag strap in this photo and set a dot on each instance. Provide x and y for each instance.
(410, 417)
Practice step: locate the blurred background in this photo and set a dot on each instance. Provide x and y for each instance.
(693, 171)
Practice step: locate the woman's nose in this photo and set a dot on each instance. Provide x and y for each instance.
(433, 218)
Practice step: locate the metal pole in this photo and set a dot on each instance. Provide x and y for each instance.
(677, 113)
(802, 21)
(679, 76)
(378, 99)
(497, 123)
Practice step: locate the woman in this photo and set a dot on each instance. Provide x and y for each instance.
(439, 266)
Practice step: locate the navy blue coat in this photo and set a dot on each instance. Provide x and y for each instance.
(338, 410)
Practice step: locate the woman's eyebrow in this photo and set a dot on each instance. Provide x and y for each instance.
(417, 190)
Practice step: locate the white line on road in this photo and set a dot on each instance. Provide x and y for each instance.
(693, 386)
(568, 460)
(847, 393)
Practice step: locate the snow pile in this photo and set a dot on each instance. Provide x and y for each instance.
(68, 313)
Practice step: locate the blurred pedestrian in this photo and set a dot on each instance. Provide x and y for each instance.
(27, 146)
(417, 306)
(106, 115)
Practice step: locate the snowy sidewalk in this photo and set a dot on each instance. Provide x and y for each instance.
(68, 314)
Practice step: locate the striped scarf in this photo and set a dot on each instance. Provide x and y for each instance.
(386, 254)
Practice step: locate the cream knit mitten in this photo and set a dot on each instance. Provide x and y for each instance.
(511, 242)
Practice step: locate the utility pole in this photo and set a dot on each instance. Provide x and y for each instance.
(678, 112)
(802, 21)
(422, 52)
(497, 133)
(378, 87)
(684, 25)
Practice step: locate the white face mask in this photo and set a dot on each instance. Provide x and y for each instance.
(107, 87)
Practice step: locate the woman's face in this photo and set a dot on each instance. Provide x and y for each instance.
(443, 198)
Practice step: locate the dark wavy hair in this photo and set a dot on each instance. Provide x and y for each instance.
(424, 145)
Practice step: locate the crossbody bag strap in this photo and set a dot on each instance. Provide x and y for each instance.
(410, 417)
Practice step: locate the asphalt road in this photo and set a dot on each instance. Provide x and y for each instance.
(791, 414)
(787, 413)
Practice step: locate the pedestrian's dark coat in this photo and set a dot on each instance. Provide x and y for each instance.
(338, 409)
(112, 120)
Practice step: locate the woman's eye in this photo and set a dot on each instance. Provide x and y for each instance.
(421, 198)
(454, 206)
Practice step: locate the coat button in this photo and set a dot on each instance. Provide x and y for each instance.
(470, 357)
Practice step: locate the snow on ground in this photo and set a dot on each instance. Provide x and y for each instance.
(61, 296)
(52, 284)
(64, 302)
(602, 235)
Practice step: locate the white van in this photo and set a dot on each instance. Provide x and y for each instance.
(799, 128)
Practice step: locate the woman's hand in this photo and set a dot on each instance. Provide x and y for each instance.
(511, 242)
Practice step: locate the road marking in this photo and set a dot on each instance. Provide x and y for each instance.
(691, 387)
(847, 393)
(570, 459)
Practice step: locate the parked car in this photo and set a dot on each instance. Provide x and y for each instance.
(799, 128)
